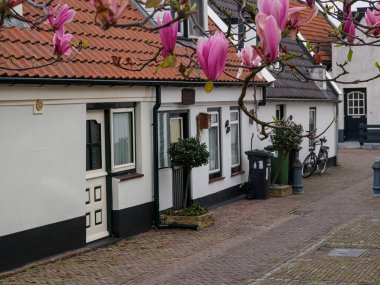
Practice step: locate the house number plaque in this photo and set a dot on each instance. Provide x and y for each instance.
(38, 107)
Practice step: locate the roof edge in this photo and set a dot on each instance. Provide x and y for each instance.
(112, 82)
(333, 84)
(326, 100)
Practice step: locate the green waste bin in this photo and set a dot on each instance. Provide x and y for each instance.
(277, 161)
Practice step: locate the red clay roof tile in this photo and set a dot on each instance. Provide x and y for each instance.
(32, 48)
(318, 30)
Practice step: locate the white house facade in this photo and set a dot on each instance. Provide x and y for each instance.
(63, 174)
(360, 101)
(227, 139)
(83, 148)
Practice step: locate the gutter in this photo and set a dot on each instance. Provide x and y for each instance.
(300, 100)
(156, 190)
(112, 82)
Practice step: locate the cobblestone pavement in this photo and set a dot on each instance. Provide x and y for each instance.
(275, 241)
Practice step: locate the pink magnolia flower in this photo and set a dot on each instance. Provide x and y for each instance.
(168, 34)
(372, 19)
(349, 28)
(270, 36)
(249, 56)
(61, 42)
(212, 55)
(108, 11)
(279, 9)
(295, 20)
(59, 16)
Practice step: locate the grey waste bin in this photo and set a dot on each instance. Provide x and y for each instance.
(259, 174)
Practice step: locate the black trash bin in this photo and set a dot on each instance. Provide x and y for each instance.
(259, 174)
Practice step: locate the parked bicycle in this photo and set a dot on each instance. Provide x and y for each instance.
(313, 162)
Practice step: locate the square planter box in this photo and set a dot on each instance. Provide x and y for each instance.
(277, 190)
(203, 221)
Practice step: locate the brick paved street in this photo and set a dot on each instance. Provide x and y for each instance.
(275, 241)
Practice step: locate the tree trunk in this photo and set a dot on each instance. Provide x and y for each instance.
(187, 186)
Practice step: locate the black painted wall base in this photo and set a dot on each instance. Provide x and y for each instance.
(20, 248)
(133, 220)
(340, 136)
(331, 161)
(221, 196)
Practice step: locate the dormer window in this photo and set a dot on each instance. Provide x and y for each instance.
(189, 29)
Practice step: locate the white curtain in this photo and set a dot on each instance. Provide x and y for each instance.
(235, 156)
(122, 138)
(213, 148)
(163, 140)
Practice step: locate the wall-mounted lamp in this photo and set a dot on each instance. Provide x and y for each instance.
(38, 107)
(203, 122)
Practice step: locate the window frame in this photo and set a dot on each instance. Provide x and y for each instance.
(351, 98)
(183, 116)
(166, 134)
(281, 110)
(91, 145)
(180, 119)
(216, 172)
(126, 166)
(312, 110)
(237, 166)
(185, 24)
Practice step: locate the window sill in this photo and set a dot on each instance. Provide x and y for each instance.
(128, 176)
(212, 180)
(237, 173)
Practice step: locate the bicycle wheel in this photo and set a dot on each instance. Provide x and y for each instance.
(308, 165)
(322, 161)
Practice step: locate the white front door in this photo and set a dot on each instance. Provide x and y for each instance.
(96, 194)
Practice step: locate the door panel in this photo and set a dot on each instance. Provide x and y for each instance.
(96, 192)
(355, 112)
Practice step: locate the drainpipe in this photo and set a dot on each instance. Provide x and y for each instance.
(337, 133)
(156, 190)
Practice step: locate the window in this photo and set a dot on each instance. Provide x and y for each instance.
(199, 16)
(312, 122)
(355, 103)
(188, 28)
(163, 140)
(235, 139)
(93, 145)
(122, 139)
(176, 129)
(280, 112)
(171, 127)
(214, 145)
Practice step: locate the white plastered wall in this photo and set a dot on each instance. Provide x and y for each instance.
(300, 112)
(138, 191)
(43, 166)
(222, 98)
(362, 66)
(42, 179)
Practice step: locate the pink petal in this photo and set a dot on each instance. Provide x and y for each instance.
(200, 45)
(272, 38)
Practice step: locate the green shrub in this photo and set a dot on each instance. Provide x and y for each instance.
(287, 138)
(188, 153)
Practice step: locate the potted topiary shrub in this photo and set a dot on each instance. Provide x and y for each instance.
(189, 153)
(284, 139)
